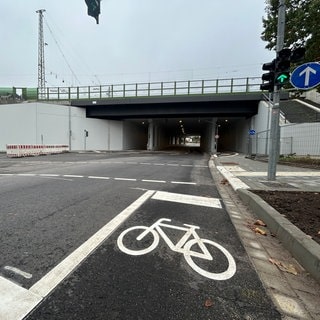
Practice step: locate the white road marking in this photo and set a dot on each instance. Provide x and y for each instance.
(183, 246)
(183, 182)
(147, 163)
(45, 285)
(26, 174)
(158, 164)
(125, 179)
(72, 176)
(15, 301)
(101, 178)
(187, 199)
(173, 164)
(19, 272)
(156, 181)
(49, 175)
(61, 176)
(186, 165)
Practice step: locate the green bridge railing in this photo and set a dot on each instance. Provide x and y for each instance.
(171, 88)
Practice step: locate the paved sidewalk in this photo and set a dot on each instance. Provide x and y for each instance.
(295, 295)
(254, 174)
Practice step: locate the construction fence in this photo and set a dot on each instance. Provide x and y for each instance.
(301, 139)
(27, 150)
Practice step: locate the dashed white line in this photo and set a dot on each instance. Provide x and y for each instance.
(183, 182)
(49, 175)
(101, 178)
(72, 176)
(61, 176)
(156, 181)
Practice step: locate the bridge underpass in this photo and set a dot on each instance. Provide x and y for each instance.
(164, 133)
(156, 123)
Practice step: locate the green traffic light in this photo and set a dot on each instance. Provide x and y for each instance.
(282, 78)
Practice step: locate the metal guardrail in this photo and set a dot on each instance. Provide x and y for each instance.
(171, 88)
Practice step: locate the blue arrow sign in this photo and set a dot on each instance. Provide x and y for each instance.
(306, 76)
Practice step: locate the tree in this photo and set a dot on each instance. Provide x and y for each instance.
(302, 26)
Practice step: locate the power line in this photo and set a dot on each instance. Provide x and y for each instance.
(63, 56)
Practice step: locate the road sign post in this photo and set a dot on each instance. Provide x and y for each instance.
(275, 111)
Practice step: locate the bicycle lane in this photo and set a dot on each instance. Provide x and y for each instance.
(118, 282)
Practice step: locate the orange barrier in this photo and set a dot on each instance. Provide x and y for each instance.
(27, 150)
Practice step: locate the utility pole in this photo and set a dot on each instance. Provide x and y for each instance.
(41, 62)
(274, 149)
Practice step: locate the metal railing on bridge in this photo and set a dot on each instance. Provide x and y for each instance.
(170, 88)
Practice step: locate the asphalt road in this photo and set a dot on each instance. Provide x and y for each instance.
(70, 246)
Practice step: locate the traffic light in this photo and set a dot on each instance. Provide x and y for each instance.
(93, 8)
(268, 78)
(282, 74)
(297, 54)
(279, 68)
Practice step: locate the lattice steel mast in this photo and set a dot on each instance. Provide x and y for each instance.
(41, 62)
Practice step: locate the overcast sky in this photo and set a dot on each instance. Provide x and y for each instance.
(136, 41)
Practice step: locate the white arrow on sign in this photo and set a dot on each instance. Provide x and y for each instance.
(307, 72)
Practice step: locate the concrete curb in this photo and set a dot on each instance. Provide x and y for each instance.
(304, 250)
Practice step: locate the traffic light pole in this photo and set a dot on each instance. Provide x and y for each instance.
(274, 149)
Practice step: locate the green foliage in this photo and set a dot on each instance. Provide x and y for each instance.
(302, 26)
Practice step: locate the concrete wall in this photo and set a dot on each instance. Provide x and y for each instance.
(313, 95)
(40, 123)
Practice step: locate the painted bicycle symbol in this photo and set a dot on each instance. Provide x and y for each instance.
(184, 245)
